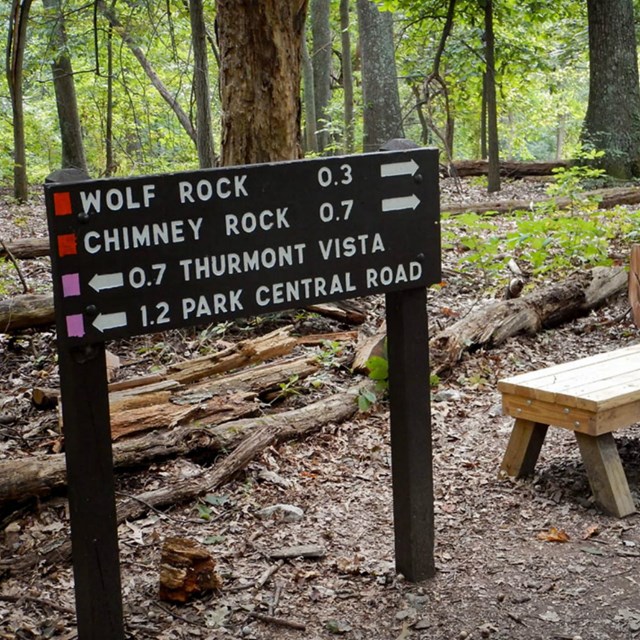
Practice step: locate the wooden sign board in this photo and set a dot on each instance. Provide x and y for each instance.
(146, 254)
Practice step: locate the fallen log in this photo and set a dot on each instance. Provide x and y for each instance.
(464, 168)
(607, 199)
(271, 345)
(208, 421)
(25, 248)
(265, 431)
(541, 309)
(26, 311)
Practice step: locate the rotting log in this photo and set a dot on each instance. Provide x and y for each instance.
(368, 346)
(199, 430)
(542, 309)
(606, 198)
(271, 345)
(464, 168)
(264, 432)
(26, 311)
(25, 248)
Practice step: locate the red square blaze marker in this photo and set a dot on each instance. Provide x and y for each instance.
(62, 203)
(67, 245)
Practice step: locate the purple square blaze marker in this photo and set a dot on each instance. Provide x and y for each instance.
(71, 285)
(75, 326)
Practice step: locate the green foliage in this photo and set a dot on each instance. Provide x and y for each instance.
(289, 388)
(547, 238)
(329, 354)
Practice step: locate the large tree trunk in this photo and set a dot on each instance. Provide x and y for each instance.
(542, 309)
(260, 58)
(65, 90)
(204, 131)
(321, 57)
(612, 123)
(382, 114)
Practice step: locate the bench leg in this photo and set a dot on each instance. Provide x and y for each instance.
(606, 475)
(524, 448)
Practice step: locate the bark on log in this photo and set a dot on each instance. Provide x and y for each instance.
(26, 311)
(369, 346)
(542, 309)
(266, 431)
(274, 344)
(607, 199)
(464, 168)
(345, 311)
(25, 248)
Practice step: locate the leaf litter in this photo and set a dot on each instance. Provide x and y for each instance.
(494, 579)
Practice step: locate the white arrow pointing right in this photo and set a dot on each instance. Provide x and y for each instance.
(99, 282)
(105, 321)
(398, 204)
(405, 168)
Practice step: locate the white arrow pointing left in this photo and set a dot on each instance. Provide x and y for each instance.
(391, 169)
(103, 281)
(105, 321)
(398, 204)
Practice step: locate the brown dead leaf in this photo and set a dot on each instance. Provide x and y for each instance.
(553, 535)
(591, 531)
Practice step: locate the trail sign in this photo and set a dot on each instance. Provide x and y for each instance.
(138, 255)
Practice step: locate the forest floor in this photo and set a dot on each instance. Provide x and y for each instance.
(498, 574)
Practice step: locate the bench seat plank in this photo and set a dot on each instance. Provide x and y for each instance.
(600, 384)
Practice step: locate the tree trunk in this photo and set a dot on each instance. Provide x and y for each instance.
(382, 114)
(542, 309)
(347, 75)
(204, 131)
(110, 163)
(65, 90)
(310, 138)
(260, 58)
(612, 123)
(493, 146)
(16, 42)
(321, 58)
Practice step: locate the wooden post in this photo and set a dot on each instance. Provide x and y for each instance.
(92, 507)
(411, 456)
(89, 460)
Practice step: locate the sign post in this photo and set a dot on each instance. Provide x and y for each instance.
(140, 255)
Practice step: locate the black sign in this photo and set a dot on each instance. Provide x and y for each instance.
(132, 256)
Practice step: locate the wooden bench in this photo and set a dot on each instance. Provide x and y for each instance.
(592, 397)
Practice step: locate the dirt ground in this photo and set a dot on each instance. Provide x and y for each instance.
(498, 573)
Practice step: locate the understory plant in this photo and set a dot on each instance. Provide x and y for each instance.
(567, 231)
